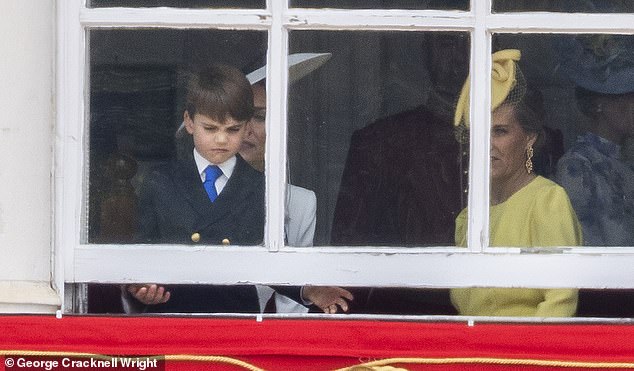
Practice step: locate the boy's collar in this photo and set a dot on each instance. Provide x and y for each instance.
(226, 167)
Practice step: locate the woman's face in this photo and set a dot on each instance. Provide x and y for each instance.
(254, 143)
(509, 142)
(618, 112)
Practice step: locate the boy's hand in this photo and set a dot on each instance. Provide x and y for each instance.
(149, 294)
(327, 298)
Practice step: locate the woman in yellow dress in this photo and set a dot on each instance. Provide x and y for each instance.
(526, 210)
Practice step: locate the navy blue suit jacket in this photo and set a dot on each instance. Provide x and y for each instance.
(174, 205)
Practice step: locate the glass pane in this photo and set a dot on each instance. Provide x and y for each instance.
(508, 302)
(106, 299)
(383, 4)
(371, 135)
(176, 3)
(606, 303)
(534, 302)
(146, 182)
(569, 6)
(515, 302)
(573, 105)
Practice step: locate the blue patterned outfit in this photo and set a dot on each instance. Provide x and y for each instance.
(601, 188)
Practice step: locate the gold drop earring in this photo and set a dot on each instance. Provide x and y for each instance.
(529, 156)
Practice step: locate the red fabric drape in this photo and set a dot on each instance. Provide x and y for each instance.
(313, 344)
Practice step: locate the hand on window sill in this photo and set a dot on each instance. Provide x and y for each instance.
(148, 294)
(328, 298)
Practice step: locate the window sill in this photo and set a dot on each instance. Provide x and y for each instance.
(28, 297)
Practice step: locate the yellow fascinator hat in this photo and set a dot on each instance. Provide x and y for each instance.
(503, 80)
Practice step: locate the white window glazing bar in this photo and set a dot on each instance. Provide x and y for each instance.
(176, 18)
(561, 22)
(397, 20)
(480, 80)
(337, 18)
(275, 156)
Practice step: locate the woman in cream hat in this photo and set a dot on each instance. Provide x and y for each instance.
(301, 203)
(526, 210)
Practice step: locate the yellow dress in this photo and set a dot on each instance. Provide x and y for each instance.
(538, 215)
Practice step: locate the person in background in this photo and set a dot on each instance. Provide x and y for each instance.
(593, 171)
(301, 203)
(403, 181)
(526, 210)
(600, 183)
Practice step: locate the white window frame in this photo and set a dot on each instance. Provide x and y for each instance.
(477, 265)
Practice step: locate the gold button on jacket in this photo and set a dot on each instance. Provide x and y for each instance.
(196, 237)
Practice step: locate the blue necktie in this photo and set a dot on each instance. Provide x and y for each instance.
(211, 174)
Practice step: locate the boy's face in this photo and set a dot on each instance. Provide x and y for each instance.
(215, 141)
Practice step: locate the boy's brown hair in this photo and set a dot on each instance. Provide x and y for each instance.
(220, 91)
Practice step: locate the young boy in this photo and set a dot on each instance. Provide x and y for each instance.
(213, 197)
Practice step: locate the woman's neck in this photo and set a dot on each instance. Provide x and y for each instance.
(503, 189)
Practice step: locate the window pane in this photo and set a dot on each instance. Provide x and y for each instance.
(144, 182)
(510, 302)
(371, 134)
(606, 303)
(581, 89)
(569, 6)
(528, 302)
(107, 298)
(383, 4)
(534, 302)
(176, 3)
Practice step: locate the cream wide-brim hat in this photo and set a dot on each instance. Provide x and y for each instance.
(299, 65)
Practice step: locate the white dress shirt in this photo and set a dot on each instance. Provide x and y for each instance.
(226, 167)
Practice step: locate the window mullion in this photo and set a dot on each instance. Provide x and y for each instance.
(69, 152)
(276, 88)
(478, 226)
